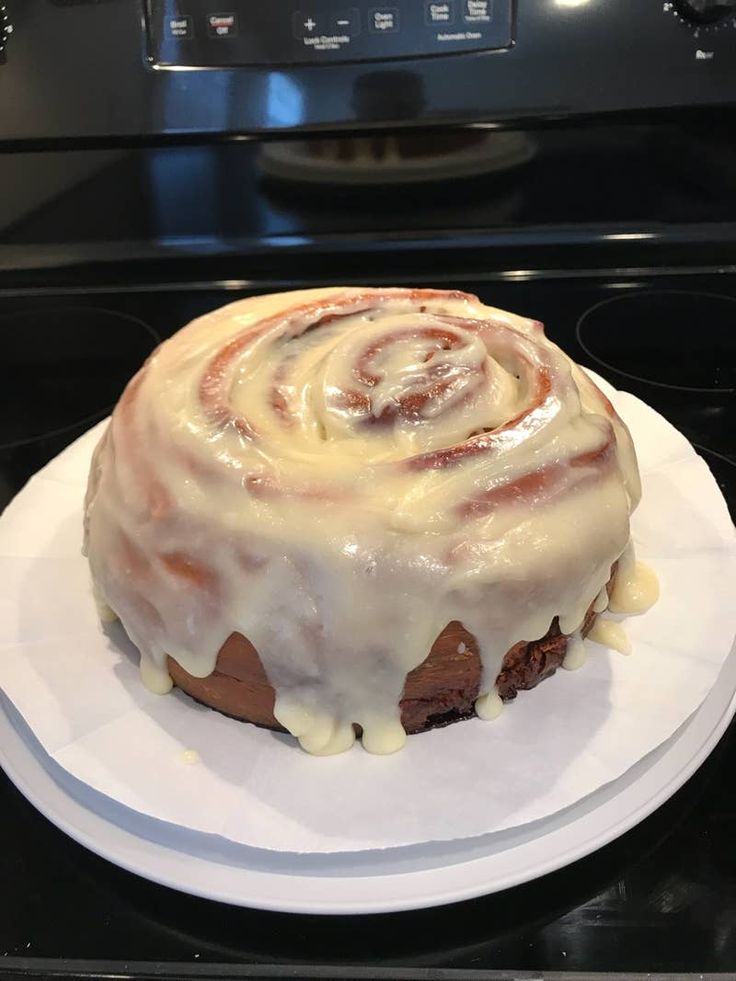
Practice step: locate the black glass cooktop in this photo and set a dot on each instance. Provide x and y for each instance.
(661, 898)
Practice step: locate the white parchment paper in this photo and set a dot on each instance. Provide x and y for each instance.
(77, 687)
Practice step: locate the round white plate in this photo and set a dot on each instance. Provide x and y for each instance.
(365, 882)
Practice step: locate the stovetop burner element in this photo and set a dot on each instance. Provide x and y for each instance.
(670, 338)
(64, 366)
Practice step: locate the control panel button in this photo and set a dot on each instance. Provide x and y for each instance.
(306, 24)
(346, 22)
(222, 25)
(6, 29)
(384, 20)
(182, 28)
(477, 11)
(439, 13)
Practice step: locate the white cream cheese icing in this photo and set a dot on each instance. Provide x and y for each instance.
(337, 474)
(636, 588)
(489, 706)
(610, 633)
(575, 654)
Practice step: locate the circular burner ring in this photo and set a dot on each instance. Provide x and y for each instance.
(674, 305)
(68, 363)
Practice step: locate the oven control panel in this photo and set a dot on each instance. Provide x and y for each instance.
(113, 69)
(225, 33)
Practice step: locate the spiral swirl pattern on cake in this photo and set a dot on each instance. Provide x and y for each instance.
(336, 475)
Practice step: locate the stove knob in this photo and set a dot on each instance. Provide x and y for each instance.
(705, 11)
(6, 29)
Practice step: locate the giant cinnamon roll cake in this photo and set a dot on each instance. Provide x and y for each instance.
(354, 511)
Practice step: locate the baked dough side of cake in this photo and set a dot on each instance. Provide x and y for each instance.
(442, 690)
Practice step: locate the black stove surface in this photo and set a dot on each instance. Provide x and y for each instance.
(661, 898)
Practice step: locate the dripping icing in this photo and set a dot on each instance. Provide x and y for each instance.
(489, 706)
(575, 653)
(154, 676)
(601, 601)
(611, 634)
(636, 588)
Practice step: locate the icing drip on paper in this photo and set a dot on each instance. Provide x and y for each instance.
(337, 475)
(636, 588)
(575, 655)
(155, 676)
(611, 634)
(488, 707)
